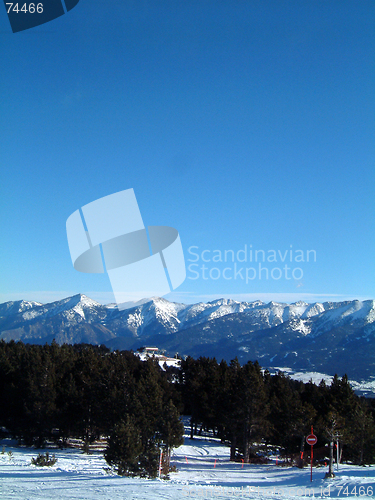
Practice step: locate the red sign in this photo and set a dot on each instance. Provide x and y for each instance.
(311, 439)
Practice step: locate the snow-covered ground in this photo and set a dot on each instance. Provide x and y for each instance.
(204, 471)
(364, 388)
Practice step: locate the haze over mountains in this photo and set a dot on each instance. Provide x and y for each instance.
(330, 337)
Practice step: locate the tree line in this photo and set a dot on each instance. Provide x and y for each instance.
(54, 392)
(250, 408)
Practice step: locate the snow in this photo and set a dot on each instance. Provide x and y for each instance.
(298, 325)
(353, 310)
(361, 388)
(204, 471)
(365, 387)
(160, 358)
(304, 377)
(33, 313)
(157, 308)
(178, 316)
(313, 310)
(138, 316)
(70, 307)
(14, 307)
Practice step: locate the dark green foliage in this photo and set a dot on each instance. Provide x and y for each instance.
(44, 460)
(82, 391)
(153, 422)
(289, 416)
(125, 448)
(250, 409)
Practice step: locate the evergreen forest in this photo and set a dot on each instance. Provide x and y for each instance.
(56, 393)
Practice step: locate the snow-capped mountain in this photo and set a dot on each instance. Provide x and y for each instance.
(327, 337)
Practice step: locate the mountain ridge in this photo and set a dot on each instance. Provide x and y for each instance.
(324, 337)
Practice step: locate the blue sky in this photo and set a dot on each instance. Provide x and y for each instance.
(237, 122)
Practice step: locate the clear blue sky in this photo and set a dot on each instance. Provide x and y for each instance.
(237, 122)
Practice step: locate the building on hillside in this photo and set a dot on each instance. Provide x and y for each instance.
(153, 352)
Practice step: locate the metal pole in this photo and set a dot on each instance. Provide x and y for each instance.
(337, 459)
(330, 472)
(312, 432)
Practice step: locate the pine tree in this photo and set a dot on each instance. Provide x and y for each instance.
(125, 448)
(170, 432)
(288, 417)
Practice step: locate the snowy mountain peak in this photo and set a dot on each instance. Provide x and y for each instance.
(223, 302)
(300, 303)
(84, 300)
(18, 306)
(275, 304)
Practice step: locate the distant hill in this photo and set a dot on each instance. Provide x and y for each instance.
(329, 337)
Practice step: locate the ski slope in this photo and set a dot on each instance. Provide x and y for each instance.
(204, 471)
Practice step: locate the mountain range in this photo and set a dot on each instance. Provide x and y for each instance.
(329, 337)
